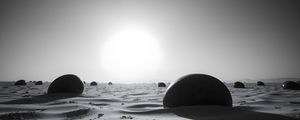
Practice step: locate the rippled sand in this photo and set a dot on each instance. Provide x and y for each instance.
(144, 102)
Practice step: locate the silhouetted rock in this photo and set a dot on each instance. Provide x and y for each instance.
(20, 82)
(239, 85)
(39, 83)
(93, 83)
(298, 82)
(260, 83)
(109, 83)
(197, 89)
(161, 84)
(66, 84)
(291, 85)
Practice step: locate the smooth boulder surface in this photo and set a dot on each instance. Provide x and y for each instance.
(20, 82)
(161, 84)
(290, 85)
(93, 83)
(109, 83)
(39, 83)
(197, 89)
(298, 82)
(260, 83)
(66, 84)
(239, 85)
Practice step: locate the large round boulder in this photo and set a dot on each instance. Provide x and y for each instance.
(66, 84)
(290, 85)
(197, 89)
(260, 83)
(93, 83)
(20, 82)
(239, 85)
(161, 84)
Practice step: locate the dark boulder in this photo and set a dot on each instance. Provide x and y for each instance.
(20, 82)
(66, 84)
(197, 89)
(161, 84)
(93, 83)
(110, 83)
(260, 83)
(39, 83)
(239, 85)
(290, 85)
(298, 82)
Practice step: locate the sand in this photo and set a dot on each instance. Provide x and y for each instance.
(143, 102)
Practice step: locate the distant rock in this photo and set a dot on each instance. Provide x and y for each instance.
(277, 80)
(93, 83)
(66, 84)
(161, 84)
(260, 83)
(197, 89)
(20, 82)
(39, 83)
(239, 85)
(290, 85)
(110, 83)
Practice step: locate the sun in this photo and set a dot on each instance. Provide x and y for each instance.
(131, 52)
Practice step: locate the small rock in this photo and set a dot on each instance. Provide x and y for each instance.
(239, 85)
(100, 115)
(20, 82)
(260, 83)
(93, 83)
(161, 84)
(110, 83)
(126, 117)
(39, 83)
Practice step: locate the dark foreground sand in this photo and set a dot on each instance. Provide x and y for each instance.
(143, 102)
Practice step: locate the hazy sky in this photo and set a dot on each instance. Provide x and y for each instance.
(231, 40)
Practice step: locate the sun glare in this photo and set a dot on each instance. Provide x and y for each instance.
(131, 52)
